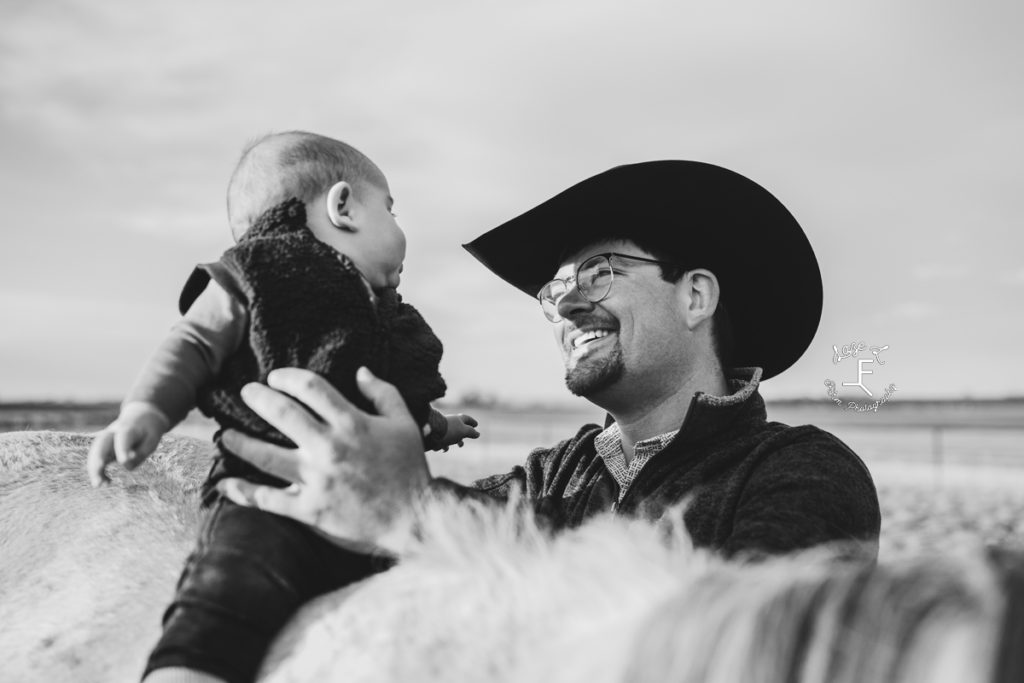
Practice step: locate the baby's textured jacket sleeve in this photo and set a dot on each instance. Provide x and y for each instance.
(193, 352)
(434, 440)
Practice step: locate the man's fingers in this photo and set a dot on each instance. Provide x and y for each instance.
(283, 412)
(313, 390)
(283, 502)
(279, 461)
(384, 396)
(100, 453)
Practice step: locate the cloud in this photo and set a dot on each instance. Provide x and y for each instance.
(76, 319)
(940, 271)
(910, 311)
(1014, 277)
(892, 135)
(208, 227)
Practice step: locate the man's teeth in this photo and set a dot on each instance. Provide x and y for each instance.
(589, 337)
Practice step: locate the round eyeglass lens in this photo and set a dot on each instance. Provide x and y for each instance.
(549, 298)
(594, 278)
(550, 309)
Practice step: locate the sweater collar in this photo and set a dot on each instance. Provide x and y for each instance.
(286, 217)
(289, 217)
(710, 415)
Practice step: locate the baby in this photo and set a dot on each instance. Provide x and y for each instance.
(310, 283)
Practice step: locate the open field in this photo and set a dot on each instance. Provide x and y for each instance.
(945, 472)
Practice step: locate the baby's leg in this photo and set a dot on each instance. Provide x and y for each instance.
(250, 572)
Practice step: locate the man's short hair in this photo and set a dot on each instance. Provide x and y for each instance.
(280, 166)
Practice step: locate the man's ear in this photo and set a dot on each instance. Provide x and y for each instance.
(702, 290)
(339, 206)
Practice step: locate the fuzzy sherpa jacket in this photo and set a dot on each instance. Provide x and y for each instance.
(309, 307)
(754, 487)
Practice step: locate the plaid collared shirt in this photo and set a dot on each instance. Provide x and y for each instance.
(609, 446)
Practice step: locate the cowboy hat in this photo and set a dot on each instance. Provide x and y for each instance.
(699, 214)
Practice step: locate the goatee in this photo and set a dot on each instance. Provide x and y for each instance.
(588, 377)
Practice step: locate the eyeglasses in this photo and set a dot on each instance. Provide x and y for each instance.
(593, 280)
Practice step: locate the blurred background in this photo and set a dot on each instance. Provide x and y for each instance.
(894, 132)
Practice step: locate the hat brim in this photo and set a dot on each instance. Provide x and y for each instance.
(702, 215)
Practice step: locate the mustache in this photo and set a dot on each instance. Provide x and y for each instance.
(585, 320)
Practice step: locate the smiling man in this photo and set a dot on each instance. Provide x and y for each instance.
(668, 316)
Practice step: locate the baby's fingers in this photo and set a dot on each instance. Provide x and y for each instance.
(468, 420)
(100, 453)
(130, 447)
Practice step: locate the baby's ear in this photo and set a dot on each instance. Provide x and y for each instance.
(339, 205)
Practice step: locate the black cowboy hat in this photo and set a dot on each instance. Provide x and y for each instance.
(702, 215)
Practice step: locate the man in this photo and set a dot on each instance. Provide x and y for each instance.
(673, 288)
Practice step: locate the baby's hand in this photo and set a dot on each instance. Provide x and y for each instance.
(129, 440)
(460, 427)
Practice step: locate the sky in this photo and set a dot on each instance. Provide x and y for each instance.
(893, 131)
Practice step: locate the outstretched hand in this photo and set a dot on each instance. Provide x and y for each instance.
(460, 428)
(129, 440)
(355, 477)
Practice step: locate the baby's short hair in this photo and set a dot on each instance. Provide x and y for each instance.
(280, 166)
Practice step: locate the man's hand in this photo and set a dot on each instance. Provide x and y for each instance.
(356, 477)
(129, 440)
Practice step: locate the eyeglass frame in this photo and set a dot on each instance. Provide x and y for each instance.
(574, 280)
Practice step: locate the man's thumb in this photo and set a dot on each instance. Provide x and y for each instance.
(384, 396)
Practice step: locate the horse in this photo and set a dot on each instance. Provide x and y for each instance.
(486, 593)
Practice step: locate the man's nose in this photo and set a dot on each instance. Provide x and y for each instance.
(572, 302)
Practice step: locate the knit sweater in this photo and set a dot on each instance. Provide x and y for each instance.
(751, 486)
(309, 308)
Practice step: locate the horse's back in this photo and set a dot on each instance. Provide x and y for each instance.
(85, 573)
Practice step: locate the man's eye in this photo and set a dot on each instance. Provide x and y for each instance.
(595, 276)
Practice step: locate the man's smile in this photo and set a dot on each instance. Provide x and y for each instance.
(581, 342)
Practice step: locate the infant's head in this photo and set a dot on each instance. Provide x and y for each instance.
(348, 202)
